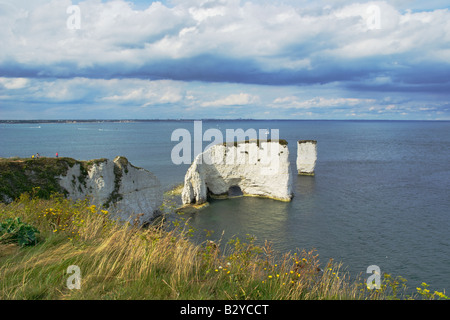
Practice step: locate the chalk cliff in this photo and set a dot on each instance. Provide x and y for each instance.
(258, 168)
(124, 189)
(306, 156)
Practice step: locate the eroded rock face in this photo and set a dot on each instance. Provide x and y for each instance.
(258, 168)
(124, 189)
(306, 156)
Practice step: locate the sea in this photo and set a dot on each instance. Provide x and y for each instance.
(380, 195)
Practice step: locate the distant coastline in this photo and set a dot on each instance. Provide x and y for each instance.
(189, 120)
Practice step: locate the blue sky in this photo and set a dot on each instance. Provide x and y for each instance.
(280, 59)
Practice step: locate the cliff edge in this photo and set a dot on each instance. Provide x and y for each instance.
(123, 189)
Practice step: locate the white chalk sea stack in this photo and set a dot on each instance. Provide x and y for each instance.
(258, 168)
(306, 156)
(127, 191)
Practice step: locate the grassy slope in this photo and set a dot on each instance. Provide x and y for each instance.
(123, 262)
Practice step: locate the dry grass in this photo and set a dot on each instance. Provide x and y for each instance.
(119, 261)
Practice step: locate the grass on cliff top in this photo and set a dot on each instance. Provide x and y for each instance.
(257, 141)
(118, 261)
(20, 175)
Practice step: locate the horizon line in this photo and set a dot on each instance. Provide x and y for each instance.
(198, 119)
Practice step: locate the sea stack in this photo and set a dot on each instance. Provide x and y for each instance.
(306, 157)
(256, 167)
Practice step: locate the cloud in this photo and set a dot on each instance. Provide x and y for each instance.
(318, 102)
(137, 98)
(147, 93)
(282, 55)
(240, 99)
(261, 43)
(13, 83)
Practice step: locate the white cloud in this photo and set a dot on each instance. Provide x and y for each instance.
(415, 34)
(317, 102)
(212, 52)
(201, 14)
(13, 83)
(233, 100)
(135, 98)
(275, 36)
(130, 96)
(147, 93)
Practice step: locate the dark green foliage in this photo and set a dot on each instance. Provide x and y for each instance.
(119, 168)
(15, 231)
(22, 175)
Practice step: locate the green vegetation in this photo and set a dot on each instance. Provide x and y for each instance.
(115, 195)
(122, 261)
(15, 231)
(20, 175)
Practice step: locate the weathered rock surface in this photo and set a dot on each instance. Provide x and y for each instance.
(123, 189)
(306, 156)
(126, 190)
(258, 168)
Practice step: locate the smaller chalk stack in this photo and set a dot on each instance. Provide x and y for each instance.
(306, 157)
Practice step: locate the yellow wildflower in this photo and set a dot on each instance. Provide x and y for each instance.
(440, 294)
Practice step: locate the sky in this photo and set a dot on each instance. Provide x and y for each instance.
(225, 59)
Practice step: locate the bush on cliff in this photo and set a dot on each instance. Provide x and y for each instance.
(15, 231)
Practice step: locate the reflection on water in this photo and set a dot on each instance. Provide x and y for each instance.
(304, 185)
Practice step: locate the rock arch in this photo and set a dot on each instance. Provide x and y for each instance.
(258, 168)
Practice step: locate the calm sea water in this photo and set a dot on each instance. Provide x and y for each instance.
(380, 195)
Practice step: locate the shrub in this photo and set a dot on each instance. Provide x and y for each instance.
(14, 230)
